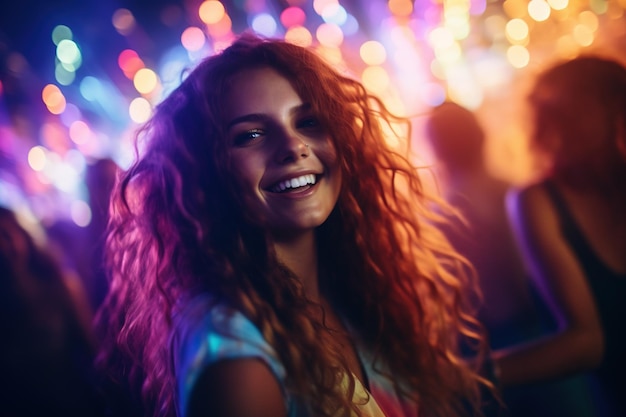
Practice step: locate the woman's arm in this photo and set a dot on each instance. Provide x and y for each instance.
(578, 344)
(237, 388)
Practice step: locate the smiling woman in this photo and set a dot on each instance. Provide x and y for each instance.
(265, 261)
(284, 157)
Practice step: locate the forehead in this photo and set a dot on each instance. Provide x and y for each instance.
(260, 90)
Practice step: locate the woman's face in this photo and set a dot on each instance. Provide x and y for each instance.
(281, 153)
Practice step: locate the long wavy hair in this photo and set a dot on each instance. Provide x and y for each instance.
(178, 226)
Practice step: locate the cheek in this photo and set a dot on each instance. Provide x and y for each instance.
(329, 157)
(327, 154)
(247, 170)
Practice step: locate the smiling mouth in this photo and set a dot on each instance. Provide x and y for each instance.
(300, 183)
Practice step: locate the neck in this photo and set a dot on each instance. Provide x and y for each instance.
(299, 254)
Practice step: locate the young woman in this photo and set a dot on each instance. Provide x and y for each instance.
(271, 256)
(572, 229)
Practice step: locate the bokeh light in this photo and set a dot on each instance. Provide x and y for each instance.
(211, 12)
(264, 24)
(193, 39)
(373, 53)
(299, 35)
(96, 82)
(123, 21)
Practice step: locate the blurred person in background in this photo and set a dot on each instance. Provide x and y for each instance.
(47, 345)
(510, 307)
(571, 227)
(81, 248)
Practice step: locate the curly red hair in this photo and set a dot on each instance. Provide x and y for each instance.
(178, 225)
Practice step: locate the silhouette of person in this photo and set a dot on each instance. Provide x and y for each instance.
(82, 248)
(511, 310)
(572, 228)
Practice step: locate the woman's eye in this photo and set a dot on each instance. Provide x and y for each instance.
(244, 138)
(309, 123)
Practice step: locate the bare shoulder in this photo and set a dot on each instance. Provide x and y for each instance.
(237, 388)
(530, 205)
(530, 197)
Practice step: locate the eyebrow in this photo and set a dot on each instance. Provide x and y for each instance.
(259, 117)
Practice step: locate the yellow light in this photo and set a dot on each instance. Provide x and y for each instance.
(211, 12)
(375, 79)
(53, 98)
(514, 8)
(299, 35)
(516, 30)
(558, 4)
(539, 10)
(145, 81)
(373, 53)
(583, 35)
(518, 56)
(401, 8)
(140, 110)
(37, 158)
(589, 19)
(567, 47)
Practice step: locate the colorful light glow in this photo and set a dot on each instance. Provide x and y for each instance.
(467, 50)
(222, 28)
(400, 8)
(516, 30)
(60, 33)
(140, 110)
(62, 75)
(37, 158)
(518, 56)
(129, 62)
(299, 35)
(292, 16)
(320, 5)
(53, 98)
(80, 132)
(376, 79)
(334, 13)
(123, 21)
(80, 213)
(558, 4)
(264, 24)
(68, 53)
(583, 35)
(193, 39)
(329, 34)
(373, 53)
(211, 12)
(539, 10)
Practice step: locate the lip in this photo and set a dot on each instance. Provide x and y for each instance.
(294, 194)
(269, 184)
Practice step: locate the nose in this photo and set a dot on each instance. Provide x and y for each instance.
(290, 148)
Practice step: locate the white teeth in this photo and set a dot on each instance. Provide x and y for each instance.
(301, 181)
